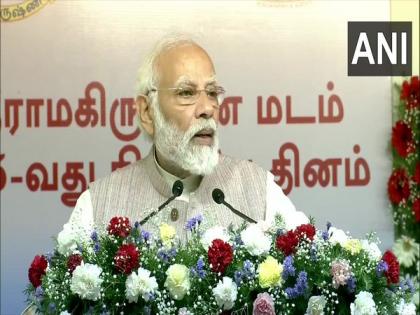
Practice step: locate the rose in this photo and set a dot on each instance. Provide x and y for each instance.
(269, 272)
(73, 261)
(177, 281)
(393, 272)
(220, 255)
(127, 258)
(119, 226)
(37, 270)
(287, 242)
(263, 305)
(402, 139)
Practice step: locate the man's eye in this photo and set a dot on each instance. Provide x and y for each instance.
(185, 92)
(212, 93)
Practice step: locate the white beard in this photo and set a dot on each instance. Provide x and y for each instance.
(177, 147)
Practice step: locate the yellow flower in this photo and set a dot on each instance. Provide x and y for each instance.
(269, 272)
(354, 246)
(167, 233)
(177, 281)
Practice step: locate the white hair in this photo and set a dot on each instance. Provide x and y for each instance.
(147, 75)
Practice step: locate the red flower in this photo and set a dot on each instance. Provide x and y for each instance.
(402, 139)
(220, 255)
(393, 273)
(410, 92)
(416, 209)
(416, 176)
(119, 226)
(127, 258)
(305, 230)
(73, 261)
(287, 242)
(398, 186)
(37, 270)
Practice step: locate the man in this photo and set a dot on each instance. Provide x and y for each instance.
(178, 99)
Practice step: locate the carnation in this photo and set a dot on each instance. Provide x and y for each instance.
(213, 233)
(119, 226)
(337, 236)
(294, 219)
(263, 305)
(287, 242)
(140, 283)
(306, 231)
(404, 308)
(225, 293)
(269, 273)
(353, 246)
(73, 261)
(255, 241)
(398, 186)
(86, 282)
(167, 233)
(220, 255)
(363, 305)
(67, 240)
(127, 258)
(402, 139)
(393, 272)
(37, 270)
(372, 250)
(177, 281)
(316, 305)
(341, 272)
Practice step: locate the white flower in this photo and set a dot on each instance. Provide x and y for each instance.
(213, 233)
(255, 241)
(372, 250)
(316, 305)
(294, 219)
(86, 281)
(225, 293)
(140, 283)
(363, 305)
(177, 281)
(264, 225)
(67, 240)
(337, 236)
(407, 250)
(406, 308)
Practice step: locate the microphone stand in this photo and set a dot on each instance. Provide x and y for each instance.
(219, 198)
(177, 189)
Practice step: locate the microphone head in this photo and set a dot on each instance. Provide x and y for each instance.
(177, 188)
(218, 195)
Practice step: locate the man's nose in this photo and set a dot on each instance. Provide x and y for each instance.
(205, 106)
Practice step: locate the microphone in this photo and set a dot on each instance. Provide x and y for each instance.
(219, 198)
(177, 189)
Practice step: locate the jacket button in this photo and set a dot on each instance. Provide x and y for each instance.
(174, 214)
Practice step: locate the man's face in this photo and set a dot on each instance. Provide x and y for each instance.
(186, 133)
(186, 67)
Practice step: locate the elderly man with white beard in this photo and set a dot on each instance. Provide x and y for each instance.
(177, 103)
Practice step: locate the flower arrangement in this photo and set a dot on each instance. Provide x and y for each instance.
(253, 269)
(404, 182)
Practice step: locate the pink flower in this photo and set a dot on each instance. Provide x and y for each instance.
(341, 272)
(264, 305)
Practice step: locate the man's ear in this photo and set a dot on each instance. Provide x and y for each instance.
(144, 112)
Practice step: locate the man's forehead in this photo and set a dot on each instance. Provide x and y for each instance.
(186, 65)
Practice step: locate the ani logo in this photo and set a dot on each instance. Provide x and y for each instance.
(21, 9)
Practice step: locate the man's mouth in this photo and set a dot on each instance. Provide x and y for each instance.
(204, 136)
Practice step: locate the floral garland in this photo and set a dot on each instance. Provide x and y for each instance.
(404, 182)
(260, 269)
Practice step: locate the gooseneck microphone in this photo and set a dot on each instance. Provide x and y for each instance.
(219, 198)
(177, 189)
